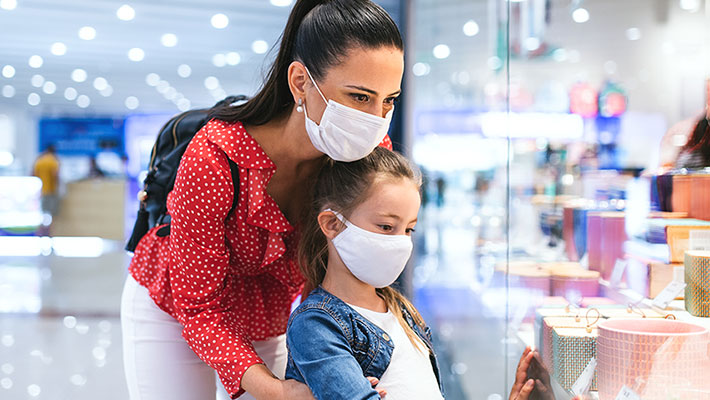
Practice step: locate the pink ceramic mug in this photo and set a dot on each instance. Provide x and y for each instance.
(647, 354)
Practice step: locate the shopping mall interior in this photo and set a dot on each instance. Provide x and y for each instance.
(564, 188)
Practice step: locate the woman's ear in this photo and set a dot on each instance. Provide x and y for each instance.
(329, 224)
(297, 79)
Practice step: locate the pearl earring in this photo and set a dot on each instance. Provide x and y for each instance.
(300, 105)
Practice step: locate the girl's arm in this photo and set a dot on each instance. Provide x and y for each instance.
(322, 355)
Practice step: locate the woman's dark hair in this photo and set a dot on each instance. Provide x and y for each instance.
(318, 33)
(699, 141)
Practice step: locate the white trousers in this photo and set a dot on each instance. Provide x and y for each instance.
(158, 362)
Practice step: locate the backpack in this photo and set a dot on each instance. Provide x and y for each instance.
(165, 158)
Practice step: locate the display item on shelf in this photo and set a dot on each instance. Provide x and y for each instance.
(665, 191)
(680, 195)
(679, 238)
(575, 283)
(697, 278)
(613, 235)
(572, 349)
(594, 240)
(647, 354)
(700, 196)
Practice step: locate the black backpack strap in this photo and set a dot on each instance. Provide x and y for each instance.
(234, 168)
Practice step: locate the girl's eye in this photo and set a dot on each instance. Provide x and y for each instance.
(363, 98)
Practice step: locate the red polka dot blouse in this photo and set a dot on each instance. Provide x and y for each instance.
(228, 281)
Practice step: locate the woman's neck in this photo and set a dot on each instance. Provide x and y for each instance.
(340, 282)
(285, 141)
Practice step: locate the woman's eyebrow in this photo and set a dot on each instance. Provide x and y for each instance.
(370, 91)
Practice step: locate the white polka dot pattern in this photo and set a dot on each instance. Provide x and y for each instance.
(228, 283)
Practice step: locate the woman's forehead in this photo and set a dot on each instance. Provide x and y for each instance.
(378, 69)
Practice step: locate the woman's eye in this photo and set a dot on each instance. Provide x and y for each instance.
(392, 100)
(410, 230)
(360, 97)
(386, 228)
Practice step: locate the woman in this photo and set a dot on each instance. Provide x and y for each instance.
(216, 294)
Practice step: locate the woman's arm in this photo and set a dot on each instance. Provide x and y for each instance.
(199, 263)
(322, 354)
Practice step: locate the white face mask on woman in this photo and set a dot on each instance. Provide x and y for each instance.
(344, 133)
(374, 258)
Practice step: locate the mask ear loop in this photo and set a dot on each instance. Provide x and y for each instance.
(316, 85)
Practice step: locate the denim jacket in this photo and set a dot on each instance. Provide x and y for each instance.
(332, 348)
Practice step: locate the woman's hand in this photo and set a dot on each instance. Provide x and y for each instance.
(259, 382)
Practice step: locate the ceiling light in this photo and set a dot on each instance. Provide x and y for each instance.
(33, 99)
(49, 87)
(183, 105)
(126, 13)
(8, 4)
(580, 15)
(211, 83)
(281, 3)
(70, 93)
(100, 83)
(184, 71)
(59, 49)
(8, 91)
(532, 43)
(8, 71)
(83, 101)
(107, 91)
(495, 63)
(136, 54)
(36, 61)
(219, 21)
(441, 51)
(78, 75)
(233, 58)
(690, 5)
(260, 46)
(219, 60)
(152, 79)
(470, 28)
(633, 34)
(169, 40)
(131, 102)
(421, 69)
(559, 55)
(170, 93)
(87, 33)
(37, 80)
(162, 86)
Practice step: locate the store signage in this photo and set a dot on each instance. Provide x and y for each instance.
(618, 272)
(668, 294)
(627, 394)
(582, 384)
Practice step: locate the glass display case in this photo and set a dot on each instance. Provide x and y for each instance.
(555, 213)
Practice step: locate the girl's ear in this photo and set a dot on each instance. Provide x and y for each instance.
(329, 224)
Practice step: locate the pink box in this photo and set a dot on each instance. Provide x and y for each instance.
(575, 283)
(649, 355)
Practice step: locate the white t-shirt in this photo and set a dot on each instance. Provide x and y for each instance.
(410, 375)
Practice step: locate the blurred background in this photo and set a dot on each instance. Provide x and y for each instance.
(517, 112)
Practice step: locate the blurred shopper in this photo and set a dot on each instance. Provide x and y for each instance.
(696, 152)
(46, 168)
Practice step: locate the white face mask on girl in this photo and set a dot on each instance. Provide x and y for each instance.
(344, 133)
(373, 258)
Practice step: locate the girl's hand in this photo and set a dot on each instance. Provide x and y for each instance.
(374, 381)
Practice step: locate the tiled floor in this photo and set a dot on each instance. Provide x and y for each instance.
(60, 333)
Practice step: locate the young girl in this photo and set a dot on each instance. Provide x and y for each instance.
(353, 325)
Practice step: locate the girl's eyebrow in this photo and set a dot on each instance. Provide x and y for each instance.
(395, 216)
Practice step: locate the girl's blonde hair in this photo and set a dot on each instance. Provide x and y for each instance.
(343, 186)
